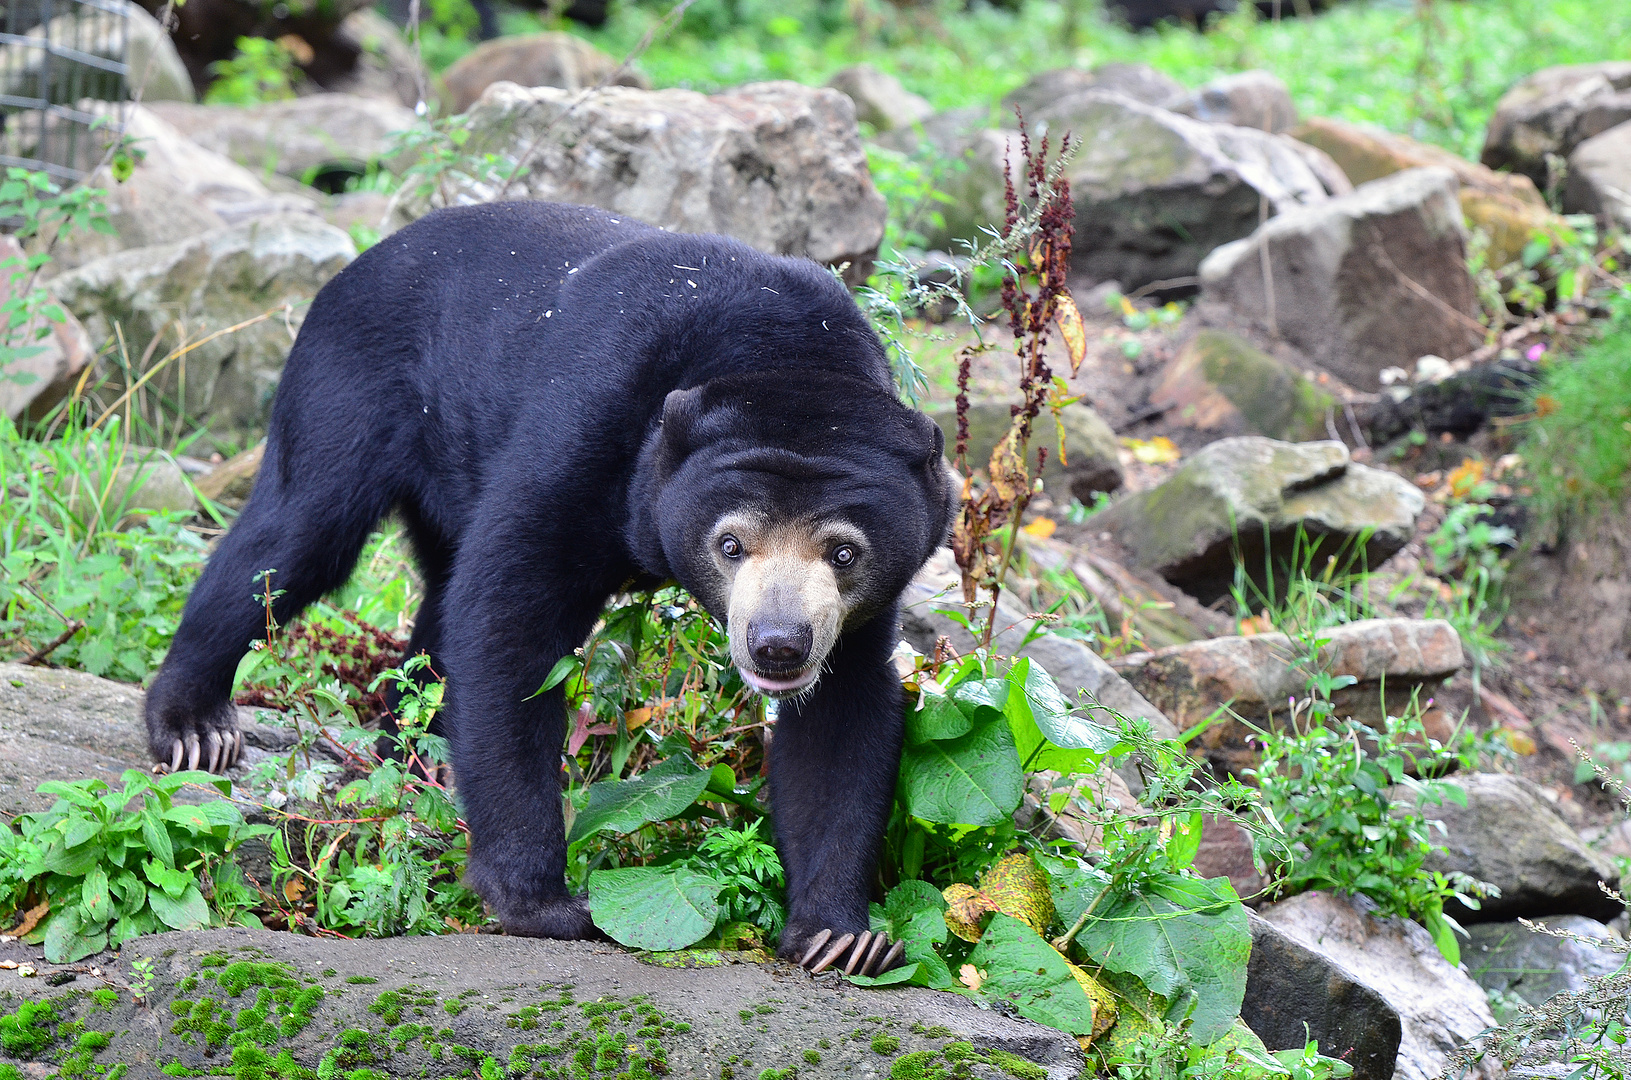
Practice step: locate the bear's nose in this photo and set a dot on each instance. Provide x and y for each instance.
(779, 646)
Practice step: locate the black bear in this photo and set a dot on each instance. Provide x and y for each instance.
(559, 402)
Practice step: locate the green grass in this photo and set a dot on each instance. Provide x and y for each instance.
(1434, 73)
(1578, 447)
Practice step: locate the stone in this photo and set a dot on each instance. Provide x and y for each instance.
(1506, 206)
(1227, 496)
(1081, 675)
(1459, 403)
(210, 283)
(231, 481)
(435, 1006)
(154, 483)
(31, 385)
(1137, 81)
(1360, 283)
(970, 163)
(1226, 851)
(1511, 958)
(551, 58)
(1509, 836)
(1554, 110)
(387, 67)
(177, 190)
(1438, 1005)
(1392, 661)
(777, 165)
(1222, 384)
(1091, 463)
(880, 99)
(1155, 192)
(1289, 986)
(293, 138)
(1254, 99)
(1600, 177)
(132, 37)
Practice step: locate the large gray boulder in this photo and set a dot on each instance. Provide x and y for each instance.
(210, 283)
(550, 58)
(1600, 177)
(1222, 384)
(776, 165)
(1361, 283)
(1391, 663)
(1438, 1005)
(292, 138)
(1513, 959)
(485, 1005)
(1155, 192)
(1553, 111)
(1138, 81)
(1508, 835)
(1091, 461)
(1294, 994)
(176, 191)
(880, 99)
(1254, 99)
(1251, 496)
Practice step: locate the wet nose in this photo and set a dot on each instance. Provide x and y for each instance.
(779, 646)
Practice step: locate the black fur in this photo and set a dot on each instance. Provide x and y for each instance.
(555, 400)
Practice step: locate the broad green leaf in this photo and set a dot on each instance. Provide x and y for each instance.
(1185, 841)
(1037, 710)
(657, 794)
(194, 818)
(1238, 1054)
(157, 837)
(971, 780)
(939, 718)
(68, 938)
(187, 912)
(654, 907)
(75, 862)
(174, 882)
(912, 915)
(93, 894)
(1177, 935)
(1024, 972)
(905, 975)
(1073, 886)
(79, 830)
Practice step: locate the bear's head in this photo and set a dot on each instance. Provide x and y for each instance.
(793, 505)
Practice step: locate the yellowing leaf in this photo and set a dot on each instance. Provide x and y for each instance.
(1104, 1002)
(965, 907)
(293, 890)
(1519, 741)
(1007, 468)
(1545, 405)
(1156, 451)
(31, 919)
(970, 976)
(1019, 887)
(1041, 528)
(635, 718)
(1071, 329)
(1466, 476)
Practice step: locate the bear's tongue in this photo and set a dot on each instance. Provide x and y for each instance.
(767, 685)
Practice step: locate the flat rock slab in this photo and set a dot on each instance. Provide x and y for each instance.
(477, 1006)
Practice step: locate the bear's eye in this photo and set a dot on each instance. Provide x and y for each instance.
(730, 546)
(843, 556)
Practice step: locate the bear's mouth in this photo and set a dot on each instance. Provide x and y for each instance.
(778, 686)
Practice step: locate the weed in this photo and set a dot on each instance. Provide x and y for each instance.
(1577, 442)
(261, 70)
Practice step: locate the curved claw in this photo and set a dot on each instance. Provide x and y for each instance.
(815, 946)
(838, 949)
(869, 965)
(192, 752)
(858, 952)
(175, 756)
(212, 757)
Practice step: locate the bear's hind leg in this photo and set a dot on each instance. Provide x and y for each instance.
(312, 541)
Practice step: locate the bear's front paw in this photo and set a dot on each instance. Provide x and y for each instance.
(565, 920)
(177, 735)
(865, 953)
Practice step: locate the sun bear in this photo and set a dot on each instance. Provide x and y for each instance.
(560, 404)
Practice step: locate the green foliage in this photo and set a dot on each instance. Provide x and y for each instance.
(115, 864)
(1338, 788)
(1577, 446)
(1028, 975)
(754, 883)
(649, 907)
(261, 70)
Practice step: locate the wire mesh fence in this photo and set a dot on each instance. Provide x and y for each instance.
(64, 86)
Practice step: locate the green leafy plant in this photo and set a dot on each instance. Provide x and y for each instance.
(1577, 442)
(261, 70)
(110, 865)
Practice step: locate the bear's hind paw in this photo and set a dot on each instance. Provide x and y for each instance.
(867, 954)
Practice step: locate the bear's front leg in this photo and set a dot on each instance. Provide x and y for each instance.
(833, 765)
(510, 615)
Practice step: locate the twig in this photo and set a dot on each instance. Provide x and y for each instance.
(38, 655)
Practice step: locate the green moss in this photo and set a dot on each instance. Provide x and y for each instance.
(361, 980)
(105, 998)
(1016, 1066)
(453, 1008)
(764, 1010)
(777, 1074)
(812, 1057)
(918, 1065)
(30, 1030)
(746, 1015)
(885, 1044)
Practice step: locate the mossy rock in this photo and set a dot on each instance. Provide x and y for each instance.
(1221, 382)
(1090, 463)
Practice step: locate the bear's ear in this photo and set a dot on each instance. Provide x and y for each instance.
(681, 411)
